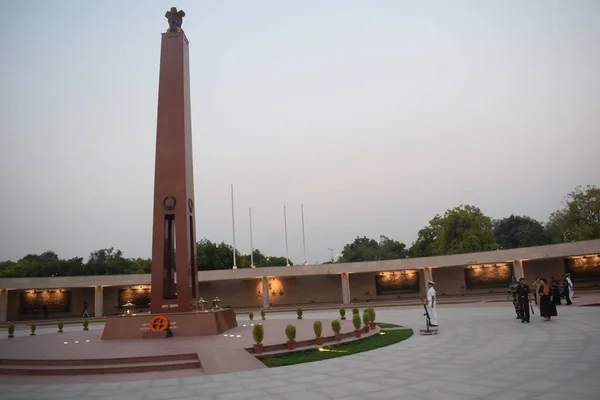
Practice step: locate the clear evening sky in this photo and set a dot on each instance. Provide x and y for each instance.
(375, 115)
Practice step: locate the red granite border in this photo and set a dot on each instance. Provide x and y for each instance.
(100, 361)
(102, 370)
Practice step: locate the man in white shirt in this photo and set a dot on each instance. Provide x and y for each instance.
(431, 304)
(570, 283)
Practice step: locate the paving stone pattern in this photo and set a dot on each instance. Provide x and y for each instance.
(481, 353)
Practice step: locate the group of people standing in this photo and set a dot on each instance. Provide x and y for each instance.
(545, 295)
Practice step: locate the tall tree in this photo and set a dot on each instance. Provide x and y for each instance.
(519, 231)
(366, 249)
(462, 229)
(20, 269)
(426, 239)
(391, 249)
(361, 249)
(45, 264)
(273, 261)
(107, 262)
(579, 219)
(141, 265)
(71, 267)
(212, 256)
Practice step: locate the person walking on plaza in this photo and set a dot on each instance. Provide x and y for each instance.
(512, 291)
(567, 289)
(570, 284)
(523, 292)
(431, 303)
(555, 291)
(547, 307)
(85, 312)
(536, 287)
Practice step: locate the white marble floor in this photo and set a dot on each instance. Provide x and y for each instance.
(481, 353)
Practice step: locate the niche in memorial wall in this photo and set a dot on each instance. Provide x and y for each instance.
(57, 301)
(397, 282)
(140, 296)
(488, 276)
(584, 269)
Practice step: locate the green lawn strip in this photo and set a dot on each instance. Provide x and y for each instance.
(344, 349)
(383, 325)
(363, 306)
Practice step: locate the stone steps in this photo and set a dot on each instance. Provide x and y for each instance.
(100, 366)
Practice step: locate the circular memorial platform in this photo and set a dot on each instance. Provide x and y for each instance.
(78, 352)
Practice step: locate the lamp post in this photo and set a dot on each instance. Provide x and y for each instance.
(287, 258)
(233, 227)
(251, 244)
(216, 303)
(331, 250)
(303, 236)
(128, 308)
(199, 305)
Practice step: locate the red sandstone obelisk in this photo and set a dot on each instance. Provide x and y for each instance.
(174, 267)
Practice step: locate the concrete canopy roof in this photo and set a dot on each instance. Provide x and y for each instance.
(561, 250)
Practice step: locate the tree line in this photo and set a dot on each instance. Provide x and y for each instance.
(210, 256)
(463, 229)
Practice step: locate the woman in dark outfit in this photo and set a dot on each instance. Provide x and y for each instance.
(555, 291)
(547, 307)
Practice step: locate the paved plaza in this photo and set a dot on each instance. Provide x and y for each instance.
(482, 353)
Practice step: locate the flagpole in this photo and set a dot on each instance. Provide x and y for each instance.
(287, 258)
(251, 244)
(233, 227)
(303, 236)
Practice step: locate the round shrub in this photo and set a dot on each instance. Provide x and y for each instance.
(290, 332)
(336, 326)
(356, 321)
(258, 333)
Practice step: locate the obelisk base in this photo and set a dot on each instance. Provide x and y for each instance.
(201, 323)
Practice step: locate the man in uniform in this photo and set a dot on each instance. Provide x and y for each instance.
(431, 303)
(512, 291)
(523, 292)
